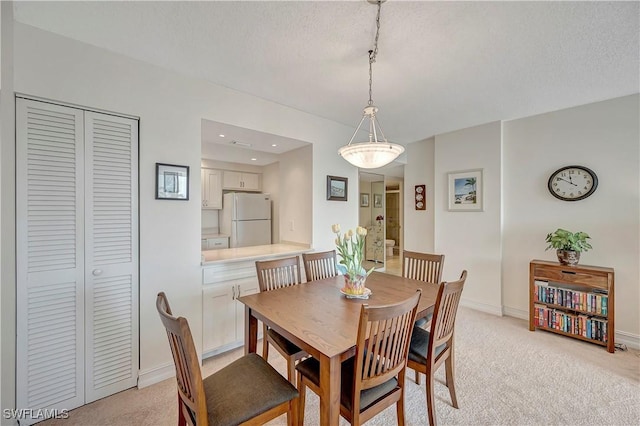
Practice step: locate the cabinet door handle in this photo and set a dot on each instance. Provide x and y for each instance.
(234, 292)
(238, 290)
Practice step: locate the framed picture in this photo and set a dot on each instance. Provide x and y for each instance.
(465, 191)
(377, 201)
(172, 182)
(421, 197)
(336, 188)
(364, 199)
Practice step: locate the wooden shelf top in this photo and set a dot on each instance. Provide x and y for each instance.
(591, 268)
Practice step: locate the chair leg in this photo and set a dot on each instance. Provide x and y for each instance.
(417, 377)
(431, 399)
(292, 414)
(291, 370)
(181, 419)
(451, 381)
(265, 343)
(400, 410)
(302, 390)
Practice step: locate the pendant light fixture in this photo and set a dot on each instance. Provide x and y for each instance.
(373, 153)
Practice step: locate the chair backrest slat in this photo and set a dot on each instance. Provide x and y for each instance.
(185, 357)
(278, 273)
(382, 345)
(444, 316)
(422, 266)
(320, 265)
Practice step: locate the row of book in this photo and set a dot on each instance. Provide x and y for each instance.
(581, 325)
(592, 301)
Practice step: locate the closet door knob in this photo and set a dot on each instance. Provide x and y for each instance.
(97, 272)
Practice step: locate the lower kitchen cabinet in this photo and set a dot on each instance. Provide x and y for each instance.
(222, 313)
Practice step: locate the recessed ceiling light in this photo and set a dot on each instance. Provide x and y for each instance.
(274, 144)
(222, 136)
(254, 159)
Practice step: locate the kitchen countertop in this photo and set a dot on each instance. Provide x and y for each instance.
(238, 254)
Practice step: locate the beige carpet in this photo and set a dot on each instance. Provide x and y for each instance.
(506, 375)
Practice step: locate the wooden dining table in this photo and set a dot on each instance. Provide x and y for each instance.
(322, 321)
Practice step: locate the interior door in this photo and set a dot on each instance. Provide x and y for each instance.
(111, 260)
(77, 256)
(49, 256)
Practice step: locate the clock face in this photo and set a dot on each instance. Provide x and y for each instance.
(572, 183)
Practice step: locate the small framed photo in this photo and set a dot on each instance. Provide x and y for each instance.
(336, 188)
(172, 182)
(465, 191)
(364, 199)
(377, 201)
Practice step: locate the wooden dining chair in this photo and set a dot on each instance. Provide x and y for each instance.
(248, 391)
(423, 267)
(274, 274)
(429, 349)
(374, 378)
(319, 265)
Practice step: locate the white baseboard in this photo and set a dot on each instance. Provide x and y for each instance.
(482, 307)
(631, 340)
(515, 313)
(156, 375)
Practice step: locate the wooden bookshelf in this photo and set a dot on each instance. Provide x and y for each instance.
(574, 301)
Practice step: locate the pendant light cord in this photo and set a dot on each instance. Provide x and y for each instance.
(374, 53)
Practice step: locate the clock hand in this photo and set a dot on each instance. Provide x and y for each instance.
(568, 181)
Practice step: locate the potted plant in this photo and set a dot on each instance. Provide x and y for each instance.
(568, 245)
(350, 248)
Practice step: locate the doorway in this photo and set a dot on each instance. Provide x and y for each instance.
(393, 233)
(372, 218)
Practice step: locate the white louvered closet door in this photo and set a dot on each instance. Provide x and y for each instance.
(77, 255)
(49, 258)
(111, 254)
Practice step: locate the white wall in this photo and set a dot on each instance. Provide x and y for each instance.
(327, 212)
(496, 245)
(271, 185)
(418, 232)
(171, 108)
(7, 212)
(295, 197)
(471, 240)
(604, 137)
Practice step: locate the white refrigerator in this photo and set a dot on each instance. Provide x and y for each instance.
(246, 218)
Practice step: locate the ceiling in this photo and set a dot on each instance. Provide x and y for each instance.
(441, 66)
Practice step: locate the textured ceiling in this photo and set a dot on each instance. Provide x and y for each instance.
(441, 66)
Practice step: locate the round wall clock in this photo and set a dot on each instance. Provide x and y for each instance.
(572, 183)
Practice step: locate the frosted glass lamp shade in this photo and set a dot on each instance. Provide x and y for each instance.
(371, 155)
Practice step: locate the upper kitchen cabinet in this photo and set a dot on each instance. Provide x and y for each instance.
(211, 189)
(241, 181)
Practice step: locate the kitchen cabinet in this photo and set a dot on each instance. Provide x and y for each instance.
(222, 313)
(211, 189)
(241, 181)
(215, 243)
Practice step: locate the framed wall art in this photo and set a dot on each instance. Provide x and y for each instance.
(172, 182)
(465, 191)
(337, 188)
(377, 201)
(420, 197)
(364, 199)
